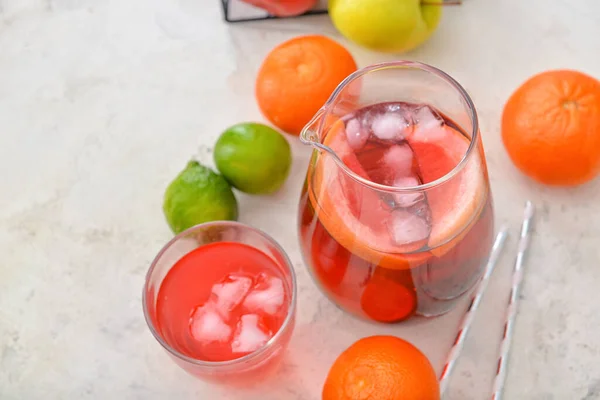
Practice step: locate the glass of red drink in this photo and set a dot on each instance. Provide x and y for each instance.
(396, 216)
(220, 297)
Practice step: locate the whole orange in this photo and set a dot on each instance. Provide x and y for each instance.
(297, 77)
(551, 127)
(381, 368)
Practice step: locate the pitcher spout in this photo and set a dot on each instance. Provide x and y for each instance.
(310, 134)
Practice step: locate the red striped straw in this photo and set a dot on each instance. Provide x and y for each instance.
(511, 312)
(469, 315)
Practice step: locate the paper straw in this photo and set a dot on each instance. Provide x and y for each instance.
(467, 320)
(511, 312)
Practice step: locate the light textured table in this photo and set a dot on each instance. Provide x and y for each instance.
(103, 102)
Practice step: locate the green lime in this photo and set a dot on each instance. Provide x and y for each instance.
(197, 195)
(253, 157)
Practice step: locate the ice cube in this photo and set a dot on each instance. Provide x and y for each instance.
(262, 281)
(421, 209)
(207, 325)
(427, 117)
(231, 292)
(428, 125)
(399, 159)
(407, 199)
(357, 136)
(249, 335)
(389, 126)
(408, 228)
(268, 299)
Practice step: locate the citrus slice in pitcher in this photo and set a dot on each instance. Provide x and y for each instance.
(389, 295)
(455, 204)
(396, 144)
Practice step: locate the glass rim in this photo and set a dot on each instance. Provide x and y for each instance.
(270, 343)
(319, 120)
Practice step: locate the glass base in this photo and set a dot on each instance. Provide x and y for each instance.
(435, 307)
(439, 306)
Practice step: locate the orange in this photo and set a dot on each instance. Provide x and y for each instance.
(551, 127)
(357, 217)
(389, 296)
(381, 368)
(297, 77)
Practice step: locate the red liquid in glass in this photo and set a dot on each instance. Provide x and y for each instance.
(388, 256)
(221, 302)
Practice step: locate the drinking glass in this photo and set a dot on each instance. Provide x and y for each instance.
(248, 368)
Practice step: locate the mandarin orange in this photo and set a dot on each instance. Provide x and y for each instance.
(381, 368)
(551, 127)
(297, 77)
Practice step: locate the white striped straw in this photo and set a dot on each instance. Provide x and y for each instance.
(469, 315)
(511, 312)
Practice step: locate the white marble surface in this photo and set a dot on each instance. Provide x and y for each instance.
(103, 102)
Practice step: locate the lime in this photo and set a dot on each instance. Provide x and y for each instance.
(197, 195)
(253, 157)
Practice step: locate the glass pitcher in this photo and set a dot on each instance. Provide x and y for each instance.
(396, 217)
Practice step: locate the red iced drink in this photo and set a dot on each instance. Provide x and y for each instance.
(386, 254)
(222, 308)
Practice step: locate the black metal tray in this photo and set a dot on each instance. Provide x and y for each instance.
(238, 11)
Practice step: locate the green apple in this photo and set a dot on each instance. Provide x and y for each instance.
(391, 26)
